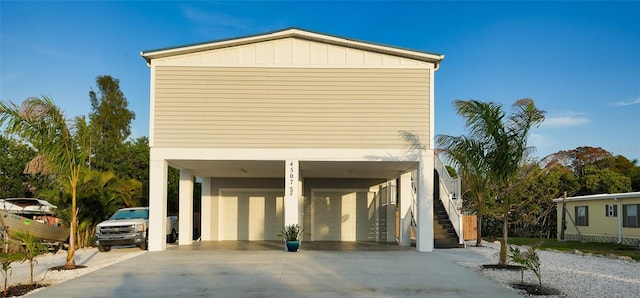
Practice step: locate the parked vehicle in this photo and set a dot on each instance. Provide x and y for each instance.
(129, 226)
(34, 216)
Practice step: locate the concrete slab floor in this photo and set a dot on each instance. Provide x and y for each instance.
(305, 245)
(266, 271)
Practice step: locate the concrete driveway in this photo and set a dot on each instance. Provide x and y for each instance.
(195, 271)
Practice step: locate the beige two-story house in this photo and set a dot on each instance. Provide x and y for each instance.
(294, 126)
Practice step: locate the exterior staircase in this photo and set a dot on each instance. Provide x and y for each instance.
(444, 235)
(446, 190)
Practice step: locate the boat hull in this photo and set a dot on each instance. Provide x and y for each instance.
(39, 230)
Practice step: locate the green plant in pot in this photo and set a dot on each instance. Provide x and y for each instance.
(292, 235)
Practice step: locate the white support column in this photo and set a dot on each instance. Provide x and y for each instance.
(185, 217)
(405, 209)
(300, 200)
(424, 236)
(291, 192)
(391, 211)
(157, 203)
(205, 210)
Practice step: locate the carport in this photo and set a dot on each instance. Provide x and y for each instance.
(245, 201)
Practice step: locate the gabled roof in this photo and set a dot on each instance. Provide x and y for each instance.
(295, 33)
(605, 196)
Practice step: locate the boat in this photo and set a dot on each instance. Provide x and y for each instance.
(31, 215)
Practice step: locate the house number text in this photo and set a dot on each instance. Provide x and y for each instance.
(291, 177)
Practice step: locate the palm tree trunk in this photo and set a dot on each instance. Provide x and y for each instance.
(31, 270)
(71, 251)
(503, 244)
(479, 229)
(479, 215)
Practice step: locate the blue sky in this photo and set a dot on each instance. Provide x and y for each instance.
(579, 61)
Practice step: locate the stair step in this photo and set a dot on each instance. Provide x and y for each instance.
(447, 244)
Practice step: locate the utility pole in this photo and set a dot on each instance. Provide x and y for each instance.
(564, 212)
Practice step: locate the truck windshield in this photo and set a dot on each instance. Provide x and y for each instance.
(134, 213)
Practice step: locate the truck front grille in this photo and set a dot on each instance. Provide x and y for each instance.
(116, 230)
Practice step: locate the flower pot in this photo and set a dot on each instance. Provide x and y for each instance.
(292, 246)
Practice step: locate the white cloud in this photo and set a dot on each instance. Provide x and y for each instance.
(627, 103)
(563, 121)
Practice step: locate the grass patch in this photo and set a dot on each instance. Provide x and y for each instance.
(586, 247)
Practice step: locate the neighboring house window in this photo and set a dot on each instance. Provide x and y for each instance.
(611, 210)
(582, 215)
(630, 214)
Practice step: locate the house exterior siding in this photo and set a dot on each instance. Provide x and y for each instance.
(600, 228)
(289, 107)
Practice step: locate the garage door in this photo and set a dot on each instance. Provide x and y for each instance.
(343, 215)
(250, 214)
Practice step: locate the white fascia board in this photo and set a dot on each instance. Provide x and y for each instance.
(284, 154)
(433, 58)
(364, 45)
(625, 195)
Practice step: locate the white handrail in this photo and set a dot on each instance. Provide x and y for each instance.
(450, 197)
(451, 184)
(414, 200)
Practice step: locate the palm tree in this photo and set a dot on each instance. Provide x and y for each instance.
(62, 147)
(501, 143)
(99, 200)
(31, 249)
(468, 156)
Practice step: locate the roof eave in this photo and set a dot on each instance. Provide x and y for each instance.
(625, 195)
(297, 33)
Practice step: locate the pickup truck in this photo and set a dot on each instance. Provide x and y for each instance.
(129, 226)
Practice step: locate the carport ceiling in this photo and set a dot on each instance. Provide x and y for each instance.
(308, 169)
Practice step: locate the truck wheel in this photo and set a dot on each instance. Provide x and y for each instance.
(144, 245)
(173, 237)
(104, 248)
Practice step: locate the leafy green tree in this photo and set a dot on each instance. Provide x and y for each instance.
(634, 175)
(629, 168)
(598, 170)
(110, 122)
(173, 191)
(137, 167)
(503, 141)
(63, 148)
(577, 159)
(536, 216)
(13, 181)
(100, 199)
(598, 181)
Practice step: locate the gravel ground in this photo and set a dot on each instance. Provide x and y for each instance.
(573, 274)
(89, 257)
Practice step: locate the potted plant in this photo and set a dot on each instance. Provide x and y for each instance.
(292, 235)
